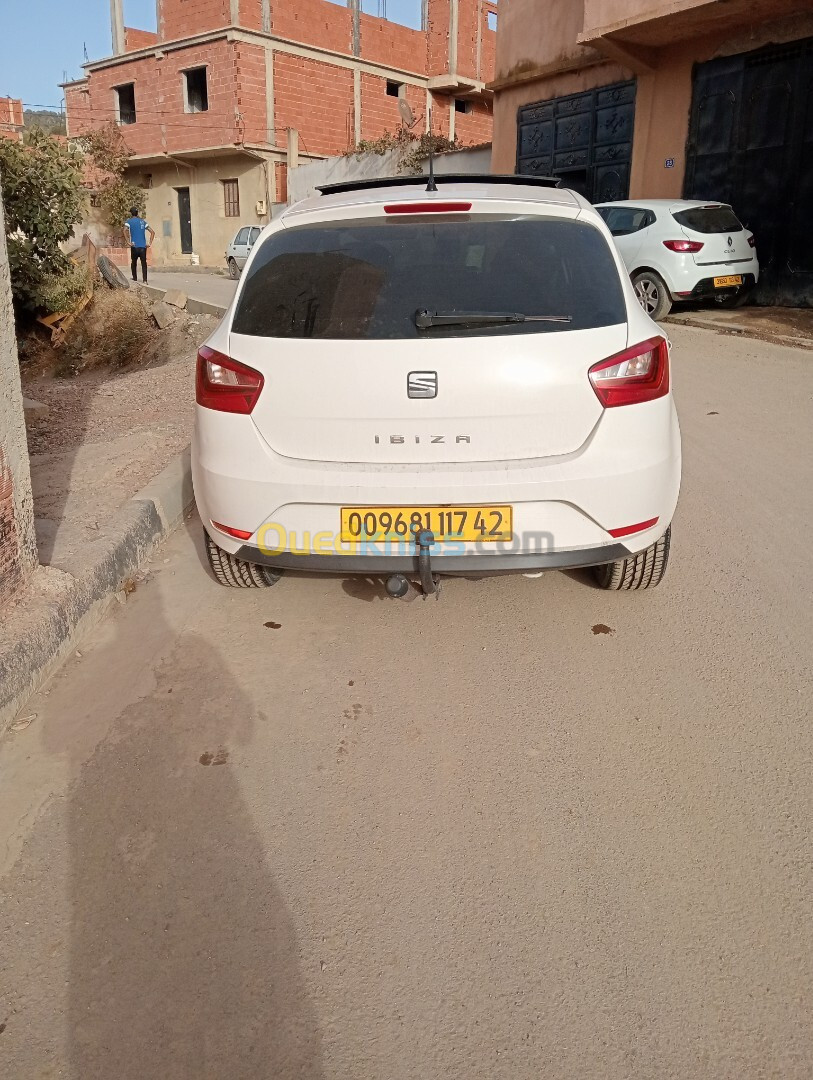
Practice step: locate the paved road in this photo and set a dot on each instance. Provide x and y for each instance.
(314, 833)
(212, 288)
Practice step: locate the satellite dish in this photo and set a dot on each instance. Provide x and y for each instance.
(407, 115)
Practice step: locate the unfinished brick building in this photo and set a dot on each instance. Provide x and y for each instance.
(228, 94)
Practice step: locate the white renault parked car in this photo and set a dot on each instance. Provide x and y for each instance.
(239, 249)
(415, 382)
(683, 250)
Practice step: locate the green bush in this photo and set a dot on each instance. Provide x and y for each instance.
(41, 180)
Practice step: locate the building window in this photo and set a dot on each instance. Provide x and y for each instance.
(462, 106)
(125, 103)
(231, 198)
(394, 89)
(492, 20)
(196, 93)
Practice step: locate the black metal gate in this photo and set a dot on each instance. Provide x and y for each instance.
(584, 138)
(751, 145)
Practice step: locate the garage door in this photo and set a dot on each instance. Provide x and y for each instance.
(586, 139)
(751, 144)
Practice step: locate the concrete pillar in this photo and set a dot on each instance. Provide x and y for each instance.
(18, 544)
(355, 16)
(293, 148)
(453, 32)
(117, 26)
(266, 16)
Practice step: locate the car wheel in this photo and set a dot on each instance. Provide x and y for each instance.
(653, 296)
(237, 573)
(234, 270)
(642, 571)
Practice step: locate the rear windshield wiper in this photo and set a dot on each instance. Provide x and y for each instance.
(424, 320)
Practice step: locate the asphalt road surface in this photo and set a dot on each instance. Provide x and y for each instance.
(213, 288)
(531, 831)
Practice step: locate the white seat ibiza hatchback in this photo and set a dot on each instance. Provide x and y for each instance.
(415, 381)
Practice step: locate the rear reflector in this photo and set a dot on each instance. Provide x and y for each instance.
(628, 530)
(683, 246)
(238, 534)
(224, 384)
(638, 374)
(427, 208)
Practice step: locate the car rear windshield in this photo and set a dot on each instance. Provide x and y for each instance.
(366, 279)
(709, 219)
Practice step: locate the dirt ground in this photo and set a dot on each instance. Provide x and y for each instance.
(783, 325)
(107, 432)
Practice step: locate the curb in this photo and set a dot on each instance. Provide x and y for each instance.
(740, 330)
(140, 527)
(193, 306)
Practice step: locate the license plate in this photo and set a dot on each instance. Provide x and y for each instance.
(470, 524)
(724, 282)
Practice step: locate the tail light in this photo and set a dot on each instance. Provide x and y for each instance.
(638, 374)
(682, 246)
(224, 384)
(752, 241)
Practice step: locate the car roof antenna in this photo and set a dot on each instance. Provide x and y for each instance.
(431, 186)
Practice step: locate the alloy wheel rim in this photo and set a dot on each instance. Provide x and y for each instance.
(648, 296)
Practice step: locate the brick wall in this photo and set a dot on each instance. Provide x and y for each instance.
(11, 112)
(396, 46)
(162, 124)
(250, 74)
(379, 112)
(316, 99)
(315, 22)
(183, 18)
(138, 39)
(474, 127)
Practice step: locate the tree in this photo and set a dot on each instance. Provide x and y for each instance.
(109, 154)
(47, 119)
(41, 179)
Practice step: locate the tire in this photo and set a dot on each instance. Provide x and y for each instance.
(237, 573)
(642, 571)
(111, 273)
(234, 270)
(653, 296)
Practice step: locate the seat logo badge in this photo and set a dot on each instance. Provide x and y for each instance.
(422, 384)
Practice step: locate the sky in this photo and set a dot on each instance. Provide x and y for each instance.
(42, 40)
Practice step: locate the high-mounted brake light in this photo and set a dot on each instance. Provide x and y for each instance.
(684, 245)
(224, 384)
(427, 207)
(238, 534)
(640, 373)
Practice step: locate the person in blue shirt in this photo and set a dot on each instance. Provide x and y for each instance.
(137, 229)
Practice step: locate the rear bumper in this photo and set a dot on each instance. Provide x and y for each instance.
(706, 289)
(628, 471)
(472, 563)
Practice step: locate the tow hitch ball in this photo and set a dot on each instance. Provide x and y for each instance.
(398, 586)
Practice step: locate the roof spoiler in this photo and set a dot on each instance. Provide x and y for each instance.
(442, 178)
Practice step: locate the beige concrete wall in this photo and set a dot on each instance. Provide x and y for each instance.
(531, 34)
(598, 13)
(18, 545)
(212, 231)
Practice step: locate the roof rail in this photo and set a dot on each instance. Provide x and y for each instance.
(440, 178)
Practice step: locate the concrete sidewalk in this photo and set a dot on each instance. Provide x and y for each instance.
(209, 288)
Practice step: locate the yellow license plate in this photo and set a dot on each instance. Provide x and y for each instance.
(470, 524)
(723, 282)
